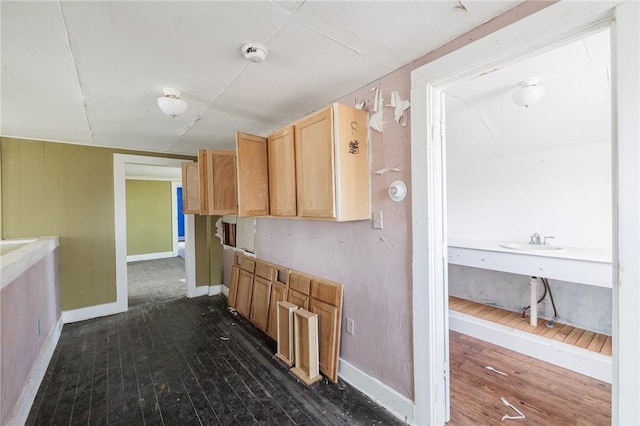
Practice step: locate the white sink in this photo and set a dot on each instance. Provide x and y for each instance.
(530, 247)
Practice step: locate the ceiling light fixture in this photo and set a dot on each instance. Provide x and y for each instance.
(170, 103)
(254, 52)
(529, 92)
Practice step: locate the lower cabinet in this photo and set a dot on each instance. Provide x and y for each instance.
(260, 302)
(233, 289)
(245, 293)
(278, 294)
(328, 336)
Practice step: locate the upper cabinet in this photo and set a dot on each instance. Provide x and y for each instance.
(217, 179)
(318, 168)
(252, 175)
(332, 164)
(282, 172)
(190, 188)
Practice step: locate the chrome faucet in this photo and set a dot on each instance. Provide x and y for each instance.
(535, 239)
(547, 237)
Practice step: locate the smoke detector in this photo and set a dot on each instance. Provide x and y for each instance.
(254, 52)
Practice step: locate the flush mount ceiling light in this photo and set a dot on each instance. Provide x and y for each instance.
(170, 103)
(254, 52)
(529, 92)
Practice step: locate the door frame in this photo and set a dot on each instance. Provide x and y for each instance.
(120, 211)
(174, 216)
(544, 30)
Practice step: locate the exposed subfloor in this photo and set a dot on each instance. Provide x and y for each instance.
(186, 361)
(595, 342)
(151, 281)
(544, 393)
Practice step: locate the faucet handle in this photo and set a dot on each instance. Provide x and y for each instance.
(546, 237)
(534, 239)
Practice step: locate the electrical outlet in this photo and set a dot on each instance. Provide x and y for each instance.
(350, 326)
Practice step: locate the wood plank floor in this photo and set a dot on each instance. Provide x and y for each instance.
(575, 336)
(544, 393)
(187, 361)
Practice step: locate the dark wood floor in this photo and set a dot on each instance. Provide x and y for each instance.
(544, 393)
(187, 361)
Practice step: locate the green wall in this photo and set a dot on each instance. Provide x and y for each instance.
(149, 217)
(67, 190)
(208, 251)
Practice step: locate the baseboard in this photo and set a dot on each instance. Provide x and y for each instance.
(150, 256)
(200, 290)
(214, 290)
(31, 386)
(572, 358)
(397, 404)
(90, 312)
(225, 291)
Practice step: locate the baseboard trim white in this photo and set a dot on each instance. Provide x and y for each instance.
(151, 256)
(225, 291)
(31, 386)
(90, 312)
(576, 359)
(201, 290)
(397, 404)
(214, 290)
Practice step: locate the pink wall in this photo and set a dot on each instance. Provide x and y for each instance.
(33, 295)
(374, 265)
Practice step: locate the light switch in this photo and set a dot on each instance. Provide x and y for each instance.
(377, 220)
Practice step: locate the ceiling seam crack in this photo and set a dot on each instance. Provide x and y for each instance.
(76, 71)
(199, 117)
(334, 39)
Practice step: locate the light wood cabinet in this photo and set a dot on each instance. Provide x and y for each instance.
(332, 164)
(305, 340)
(318, 167)
(279, 293)
(284, 338)
(260, 302)
(245, 293)
(190, 188)
(329, 337)
(217, 182)
(282, 172)
(252, 175)
(233, 286)
(299, 289)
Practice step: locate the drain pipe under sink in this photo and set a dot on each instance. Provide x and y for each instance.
(533, 311)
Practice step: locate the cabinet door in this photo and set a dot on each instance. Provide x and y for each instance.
(278, 294)
(328, 337)
(252, 175)
(190, 189)
(217, 174)
(233, 287)
(245, 292)
(282, 173)
(315, 165)
(260, 302)
(298, 299)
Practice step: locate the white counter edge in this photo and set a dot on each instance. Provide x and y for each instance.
(16, 262)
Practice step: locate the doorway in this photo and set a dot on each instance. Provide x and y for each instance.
(155, 269)
(121, 162)
(550, 27)
(513, 171)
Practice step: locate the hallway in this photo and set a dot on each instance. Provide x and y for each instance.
(151, 281)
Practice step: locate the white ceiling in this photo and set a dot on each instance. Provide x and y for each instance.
(482, 119)
(90, 71)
